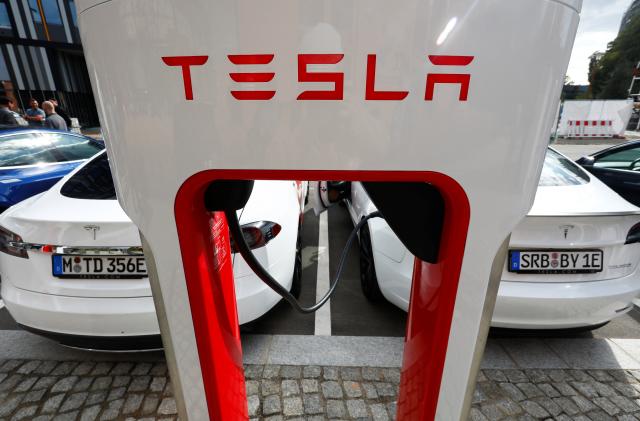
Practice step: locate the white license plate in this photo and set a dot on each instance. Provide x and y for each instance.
(555, 261)
(100, 267)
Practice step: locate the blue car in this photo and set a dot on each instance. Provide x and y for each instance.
(33, 160)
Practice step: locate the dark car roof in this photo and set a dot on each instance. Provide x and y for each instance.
(625, 145)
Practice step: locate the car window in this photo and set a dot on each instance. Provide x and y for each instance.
(621, 160)
(560, 171)
(42, 148)
(93, 181)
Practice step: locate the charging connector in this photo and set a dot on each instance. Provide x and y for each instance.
(243, 248)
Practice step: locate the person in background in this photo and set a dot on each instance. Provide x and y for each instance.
(34, 115)
(7, 119)
(61, 112)
(53, 121)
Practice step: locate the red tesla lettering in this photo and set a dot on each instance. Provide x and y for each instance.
(371, 94)
(305, 76)
(456, 78)
(186, 62)
(252, 59)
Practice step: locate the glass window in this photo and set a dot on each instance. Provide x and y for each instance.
(5, 21)
(53, 30)
(621, 160)
(72, 9)
(93, 181)
(33, 148)
(560, 171)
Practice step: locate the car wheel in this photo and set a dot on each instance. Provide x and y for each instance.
(296, 284)
(368, 279)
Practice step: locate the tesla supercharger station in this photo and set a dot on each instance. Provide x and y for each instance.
(452, 100)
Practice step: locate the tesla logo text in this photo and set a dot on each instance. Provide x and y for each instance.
(336, 92)
(565, 229)
(93, 228)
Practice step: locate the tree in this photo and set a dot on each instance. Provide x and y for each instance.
(610, 73)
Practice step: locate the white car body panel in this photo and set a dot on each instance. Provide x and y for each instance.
(599, 219)
(121, 307)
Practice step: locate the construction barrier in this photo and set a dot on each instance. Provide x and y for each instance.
(594, 118)
(590, 128)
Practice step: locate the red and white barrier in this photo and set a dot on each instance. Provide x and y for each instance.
(594, 118)
(589, 128)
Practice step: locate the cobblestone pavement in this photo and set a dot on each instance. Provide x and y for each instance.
(50, 390)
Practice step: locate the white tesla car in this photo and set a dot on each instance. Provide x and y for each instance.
(72, 266)
(573, 261)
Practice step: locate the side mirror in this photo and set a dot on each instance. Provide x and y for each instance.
(586, 161)
(324, 194)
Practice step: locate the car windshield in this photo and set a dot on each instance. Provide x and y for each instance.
(560, 171)
(33, 148)
(93, 181)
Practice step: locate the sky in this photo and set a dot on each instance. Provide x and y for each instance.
(599, 23)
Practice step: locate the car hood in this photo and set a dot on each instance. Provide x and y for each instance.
(592, 198)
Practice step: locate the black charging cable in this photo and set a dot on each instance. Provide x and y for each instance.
(263, 274)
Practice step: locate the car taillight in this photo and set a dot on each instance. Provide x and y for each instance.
(258, 234)
(633, 236)
(10, 243)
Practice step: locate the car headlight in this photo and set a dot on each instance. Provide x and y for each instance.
(11, 243)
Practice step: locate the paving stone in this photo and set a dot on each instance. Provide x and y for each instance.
(271, 371)
(330, 373)
(74, 401)
(607, 405)
(150, 404)
(253, 402)
(116, 393)
(567, 405)
(292, 406)
(45, 367)
(549, 390)
(158, 383)
(565, 389)
(90, 413)
(10, 382)
(552, 408)
(121, 368)
(112, 410)
(583, 403)
(141, 369)
(290, 372)
(253, 371)
(626, 389)
(336, 409)
(496, 375)
(310, 386)
(536, 375)
(168, 407)
(379, 412)
(311, 372)
(252, 387)
(101, 369)
(10, 365)
(271, 405)
(83, 384)
(83, 368)
(534, 409)
(357, 408)
(34, 396)
(159, 369)
(480, 396)
(269, 387)
(508, 407)
(370, 391)
(585, 389)
(25, 385)
(24, 413)
(625, 404)
(139, 384)
(331, 390)
(69, 416)
(530, 390)
(476, 415)
(516, 376)
(385, 389)
(119, 381)
(352, 389)
(52, 404)
(289, 388)
(96, 397)
(351, 373)
(28, 367)
(511, 390)
(312, 403)
(44, 383)
(102, 383)
(43, 418)
(371, 373)
(492, 411)
(64, 368)
(132, 403)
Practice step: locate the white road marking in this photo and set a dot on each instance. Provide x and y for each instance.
(323, 280)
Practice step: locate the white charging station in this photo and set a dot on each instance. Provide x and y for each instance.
(458, 94)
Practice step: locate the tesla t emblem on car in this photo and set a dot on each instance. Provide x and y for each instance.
(565, 229)
(336, 93)
(93, 228)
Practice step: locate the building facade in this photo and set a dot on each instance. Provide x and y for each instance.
(41, 56)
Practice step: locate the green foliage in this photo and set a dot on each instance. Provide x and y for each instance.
(610, 74)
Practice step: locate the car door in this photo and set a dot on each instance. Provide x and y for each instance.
(618, 169)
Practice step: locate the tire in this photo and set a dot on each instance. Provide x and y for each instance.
(296, 284)
(368, 278)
